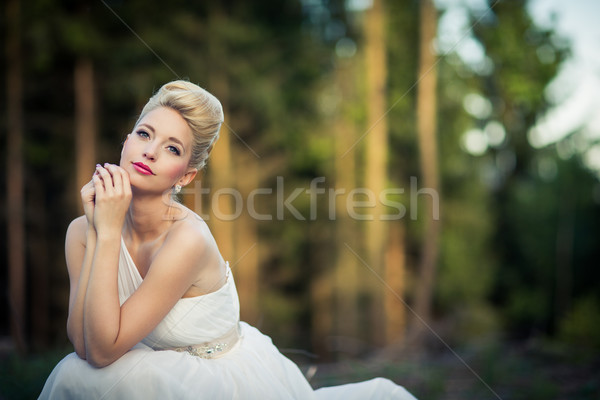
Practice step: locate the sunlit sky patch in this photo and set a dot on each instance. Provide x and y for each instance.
(574, 92)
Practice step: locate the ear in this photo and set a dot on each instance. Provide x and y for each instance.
(188, 177)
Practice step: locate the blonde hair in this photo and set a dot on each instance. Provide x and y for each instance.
(200, 109)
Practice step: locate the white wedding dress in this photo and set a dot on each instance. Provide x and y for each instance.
(226, 359)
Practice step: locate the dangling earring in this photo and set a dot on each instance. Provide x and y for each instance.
(177, 189)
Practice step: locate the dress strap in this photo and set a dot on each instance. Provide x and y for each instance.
(214, 348)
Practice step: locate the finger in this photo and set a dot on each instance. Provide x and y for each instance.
(98, 185)
(88, 189)
(107, 180)
(119, 173)
(126, 182)
(87, 186)
(116, 177)
(125, 185)
(97, 171)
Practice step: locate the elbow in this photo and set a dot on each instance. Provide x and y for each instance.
(100, 352)
(95, 354)
(99, 362)
(80, 353)
(77, 343)
(98, 358)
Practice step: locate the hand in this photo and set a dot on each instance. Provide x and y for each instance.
(88, 197)
(113, 195)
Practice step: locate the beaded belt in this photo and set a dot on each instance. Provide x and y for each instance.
(214, 348)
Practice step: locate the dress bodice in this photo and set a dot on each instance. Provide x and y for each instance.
(192, 320)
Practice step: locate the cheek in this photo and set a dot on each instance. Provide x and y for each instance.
(177, 171)
(123, 154)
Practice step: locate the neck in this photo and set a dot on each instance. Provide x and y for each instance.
(148, 217)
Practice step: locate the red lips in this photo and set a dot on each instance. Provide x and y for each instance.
(142, 168)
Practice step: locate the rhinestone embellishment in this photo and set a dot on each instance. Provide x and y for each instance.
(204, 351)
(215, 348)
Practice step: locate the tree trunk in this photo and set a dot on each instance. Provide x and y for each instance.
(426, 127)
(395, 277)
(85, 124)
(347, 269)
(247, 248)
(219, 204)
(39, 266)
(376, 160)
(220, 167)
(15, 176)
(565, 238)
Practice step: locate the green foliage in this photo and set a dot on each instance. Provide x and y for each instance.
(526, 205)
(24, 377)
(402, 36)
(525, 57)
(581, 326)
(473, 323)
(508, 229)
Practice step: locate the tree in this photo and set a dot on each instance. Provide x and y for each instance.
(515, 88)
(376, 157)
(15, 176)
(346, 286)
(85, 121)
(427, 130)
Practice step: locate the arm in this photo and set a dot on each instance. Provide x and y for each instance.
(80, 243)
(110, 330)
(79, 249)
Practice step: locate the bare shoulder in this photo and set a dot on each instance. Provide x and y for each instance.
(75, 245)
(191, 232)
(76, 231)
(191, 238)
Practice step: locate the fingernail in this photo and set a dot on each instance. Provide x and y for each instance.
(98, 166)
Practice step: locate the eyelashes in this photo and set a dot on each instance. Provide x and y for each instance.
(143, 134)
(172, 149)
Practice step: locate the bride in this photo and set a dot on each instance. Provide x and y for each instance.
(153, 308)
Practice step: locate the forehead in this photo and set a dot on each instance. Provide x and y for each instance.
(168, 122)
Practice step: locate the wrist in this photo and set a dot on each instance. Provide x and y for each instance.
(107, 234)
(90, 234)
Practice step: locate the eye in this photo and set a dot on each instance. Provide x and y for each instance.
(174, 150)
(143, 134)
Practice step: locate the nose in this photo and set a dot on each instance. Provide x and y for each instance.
(150, 152)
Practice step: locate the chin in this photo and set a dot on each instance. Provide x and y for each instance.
(148, 191)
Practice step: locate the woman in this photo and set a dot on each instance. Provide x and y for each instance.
(153, 309)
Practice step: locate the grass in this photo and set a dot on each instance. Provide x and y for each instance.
(532, 371)
(514, 371)
(23, 378)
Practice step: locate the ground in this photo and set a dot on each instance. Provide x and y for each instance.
(531, 370)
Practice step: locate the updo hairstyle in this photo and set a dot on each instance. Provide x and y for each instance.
(200, 109)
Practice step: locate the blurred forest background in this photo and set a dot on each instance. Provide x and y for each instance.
(465, 266)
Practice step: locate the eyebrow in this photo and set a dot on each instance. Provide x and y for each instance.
(173, 139)
(148, 126)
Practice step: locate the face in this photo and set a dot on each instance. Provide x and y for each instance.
(157, 153)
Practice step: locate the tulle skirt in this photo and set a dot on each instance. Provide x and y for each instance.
(252, 369)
